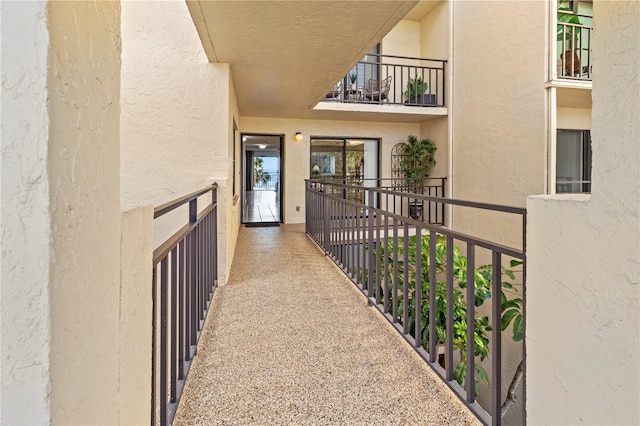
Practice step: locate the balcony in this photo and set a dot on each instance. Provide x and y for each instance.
(392, 80)
(575, 58)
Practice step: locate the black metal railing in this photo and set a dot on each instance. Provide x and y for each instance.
(185, 275)
(390, 79)
(431, 284)
(575, 58)
(395, 199)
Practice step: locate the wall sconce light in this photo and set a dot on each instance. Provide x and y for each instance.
(315, 169)
(298, 136)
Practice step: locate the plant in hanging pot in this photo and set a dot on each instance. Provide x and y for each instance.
(418, 158)
(416, 92)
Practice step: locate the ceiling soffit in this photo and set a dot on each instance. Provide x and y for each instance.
(285, 55)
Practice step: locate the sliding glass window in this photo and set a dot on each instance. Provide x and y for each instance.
(346, 160)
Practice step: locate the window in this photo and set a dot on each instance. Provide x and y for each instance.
(573, 161)
(345, 160)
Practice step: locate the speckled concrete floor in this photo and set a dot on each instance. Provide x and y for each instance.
(289, 340)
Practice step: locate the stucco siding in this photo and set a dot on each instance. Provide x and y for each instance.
(83, 162)
(25, 224)
(583, 306)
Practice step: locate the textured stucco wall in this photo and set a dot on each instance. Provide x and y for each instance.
(174, 106)
(297, 154)
(583, 306)
(434, 32)
(498, 109)
(135, 317)
(84, 109)
(175, 112)
(233, 205)
(574, 118)
(25, 230)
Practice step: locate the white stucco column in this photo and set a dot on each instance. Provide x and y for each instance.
(583, 271)
(25, 221)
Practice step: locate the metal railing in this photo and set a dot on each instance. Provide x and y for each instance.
(396, 199)
(267, 180)
(403, 73)
(575, 58)
(427, 280)
(185, 275)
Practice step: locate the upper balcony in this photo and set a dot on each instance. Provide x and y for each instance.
(574, 54)
(391, 85)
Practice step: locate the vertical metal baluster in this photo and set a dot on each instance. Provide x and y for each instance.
(163, 341)
(449, 327)
(378, 245)
(433, 240)
(154, 347)
(386, 272)
(418, 295)
(181, 304)
(405, 284)
(370, 259)
(395, 272)
(496, 338)
(471, 321)
(174, 322)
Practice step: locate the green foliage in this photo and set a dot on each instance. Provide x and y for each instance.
(567, 18)
(418, 158)
(511, 308)
(352, 78)
(415, 86)
(259, 175)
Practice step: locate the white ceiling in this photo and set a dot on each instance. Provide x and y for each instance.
(285, 55)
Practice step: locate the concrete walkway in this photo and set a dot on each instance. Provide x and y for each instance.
(290, 340)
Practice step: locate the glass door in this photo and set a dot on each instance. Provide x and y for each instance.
(350, 161)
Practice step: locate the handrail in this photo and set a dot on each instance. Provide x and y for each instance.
(185, 275)
(172, 205)
(378, 249)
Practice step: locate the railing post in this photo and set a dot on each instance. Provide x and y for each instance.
(326, 207)
(496, 339)
(370, 251)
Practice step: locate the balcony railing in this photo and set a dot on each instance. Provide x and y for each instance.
(389, 79)
(185, 274)
(396, 200)
(575, 58)
(430, 283)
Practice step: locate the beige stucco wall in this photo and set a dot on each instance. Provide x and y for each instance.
(498, 109)
(297, 154)
(83, 163)
(583, 301)
(403, 40)
(175, 114)
(573, 118)
(434, 32)
(25, 230)
(233, 210)
(135, 331)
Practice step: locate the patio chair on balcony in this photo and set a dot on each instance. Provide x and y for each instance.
(335, 92)
(377, 90)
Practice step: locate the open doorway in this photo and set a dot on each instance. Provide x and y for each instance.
(261, 180)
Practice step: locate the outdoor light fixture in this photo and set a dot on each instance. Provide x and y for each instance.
(244, 139)
(262, 146)
(298, 136)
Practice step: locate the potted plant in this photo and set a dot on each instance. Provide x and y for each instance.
(418, 158)
(568, 32)
(353, 77)
(416, 92)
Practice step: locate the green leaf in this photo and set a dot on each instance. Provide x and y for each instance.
(507, 317)
(518, 329)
